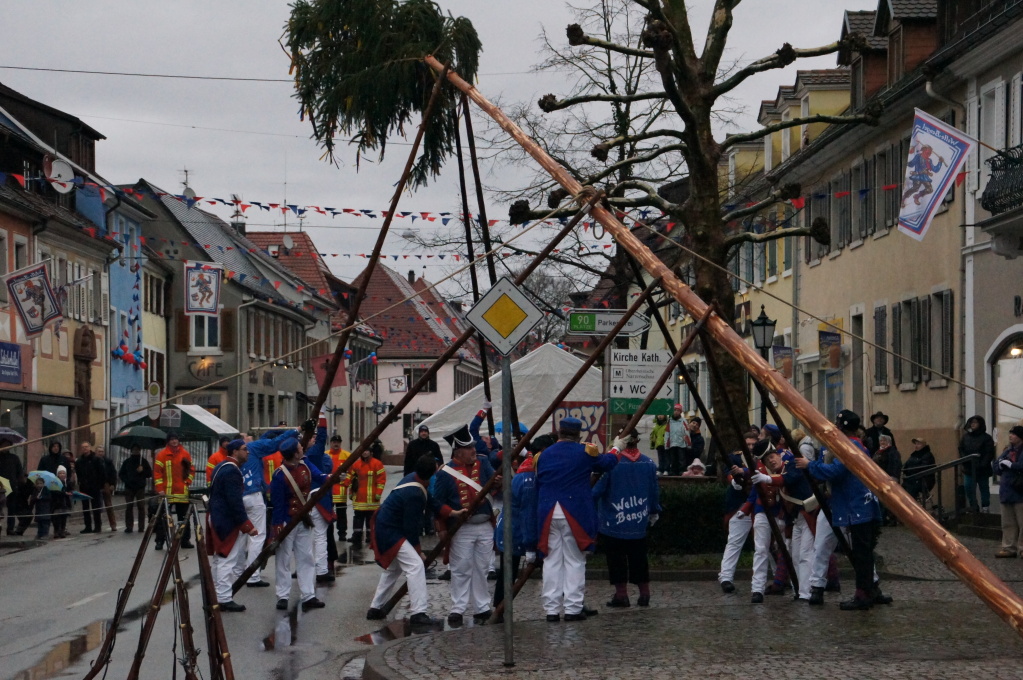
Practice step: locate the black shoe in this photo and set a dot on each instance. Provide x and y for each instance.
(455, 619)
(312, 603)
(342, 558)
(325, 578)
(257, 584)
(231, 606)
(446, 576)
(420, 619)
(159, 545)
(187, 545)
(816, 595)
(282, 604)
(643, 601)
(727, 587)
(877, 597)
(375, 614)
(294, 574)
(553, 618)
(83, 531)
(590, 612)
(757, 598)
(856, 604)
(616, 602)
(575, 617)
(481, 616)
(129, 530)
(491, 575)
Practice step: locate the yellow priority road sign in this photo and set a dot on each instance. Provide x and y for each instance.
(504, 315)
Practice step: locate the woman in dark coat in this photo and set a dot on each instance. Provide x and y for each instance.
(977, 440)
(921, 459)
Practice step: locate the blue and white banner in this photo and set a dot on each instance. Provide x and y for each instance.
(936, 153)
(202, 287)
(31, 294)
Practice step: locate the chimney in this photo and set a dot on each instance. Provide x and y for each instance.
(411, 276)
(239, 226)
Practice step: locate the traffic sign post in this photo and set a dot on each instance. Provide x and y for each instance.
(601, 321)
(632, 374)
(504, 315)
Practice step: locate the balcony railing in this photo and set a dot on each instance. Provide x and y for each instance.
(1004, 190)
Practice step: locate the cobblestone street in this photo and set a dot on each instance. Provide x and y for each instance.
(936, 628)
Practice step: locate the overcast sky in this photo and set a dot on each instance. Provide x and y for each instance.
(245, 138)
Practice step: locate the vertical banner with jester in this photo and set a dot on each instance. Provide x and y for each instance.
(30, 292)
(593, 415)
(936, 153)
(202, 287)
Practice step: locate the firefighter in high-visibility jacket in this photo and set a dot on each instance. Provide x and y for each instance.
(172, 475)
(368, 479)
(338, 456)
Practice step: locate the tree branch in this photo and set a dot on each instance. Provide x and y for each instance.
(549, 102)
(556, 258)
(780, 59)
(717, 36)
(752, 209)
(750, 237)
(577, 37)
(870, 118)
(651, 193)
(633, 160)
(600, 150)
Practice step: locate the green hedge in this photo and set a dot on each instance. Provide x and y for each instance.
(691, 520)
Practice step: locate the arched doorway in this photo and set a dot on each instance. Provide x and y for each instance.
(1006, 371)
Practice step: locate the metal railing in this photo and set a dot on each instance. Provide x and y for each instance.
(938, 509)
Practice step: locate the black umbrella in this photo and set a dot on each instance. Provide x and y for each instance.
(142, 436)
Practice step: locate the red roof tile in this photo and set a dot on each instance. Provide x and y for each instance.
(302, 259)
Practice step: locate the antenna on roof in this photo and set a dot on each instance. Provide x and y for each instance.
(185, 183)
(237, 217)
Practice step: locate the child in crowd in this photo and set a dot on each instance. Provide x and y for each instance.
(60, 505)
(39, 503)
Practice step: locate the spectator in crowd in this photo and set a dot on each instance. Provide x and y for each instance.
(890, 460)
(60, 504)
(1009, 467)
(109, 484)
(920, 460)
(696, 441)
(12, 470)
(657, 435)
(804, 444)
(976, 440)
(91, 477)
(39, 504)
(135, 474)
(696, 469)
(878, 427)
(54, 458)
(676, 441)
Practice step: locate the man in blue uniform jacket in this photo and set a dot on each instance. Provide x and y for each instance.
(253, 492)
(567, 518)
(226, 521)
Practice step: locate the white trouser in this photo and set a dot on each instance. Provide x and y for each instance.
(300, 543)
(320, 529)
(223, 570)
(407, 562)
(738, 530)
(471, 548)
(824, 543)
(761, 551)
(255, 508)
(564, 571)
(801, 549)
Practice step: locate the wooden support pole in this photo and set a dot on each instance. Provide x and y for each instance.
(335, 475)
(981, 580)
(353, 312)
(540, 422)
(190, 658)
(219, 653)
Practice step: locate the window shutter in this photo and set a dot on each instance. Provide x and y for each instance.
(182, 326)
(897, 343)
(914, 341)
(104, 303)
(973, 160)
(925, 338)
(947, 363)
(880, 340)
(227, 330)
(1014, 111)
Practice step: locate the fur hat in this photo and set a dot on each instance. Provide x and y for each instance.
(762, 448)
(460, 438)
(848, 421)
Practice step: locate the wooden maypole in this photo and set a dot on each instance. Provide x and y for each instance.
(971, 571)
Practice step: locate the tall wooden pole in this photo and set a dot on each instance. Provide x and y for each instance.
(981, 580)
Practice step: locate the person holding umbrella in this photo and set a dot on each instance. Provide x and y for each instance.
(172, 477)
(134, 473)
(225, 521)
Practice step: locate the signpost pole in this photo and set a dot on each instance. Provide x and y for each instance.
(506, 472)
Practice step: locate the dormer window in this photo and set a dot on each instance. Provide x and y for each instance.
(896, 58)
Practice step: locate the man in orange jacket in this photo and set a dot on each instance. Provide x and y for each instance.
(368, 481)
(172, 475)
(338, 456)
(216, 459)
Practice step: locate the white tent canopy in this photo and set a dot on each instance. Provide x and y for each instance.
(536, 377)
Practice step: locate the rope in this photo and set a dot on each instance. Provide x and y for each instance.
(352, 326)
(99, 508)
(789, 303)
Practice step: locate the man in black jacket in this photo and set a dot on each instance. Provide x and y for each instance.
(415, 450)
(109, 484)
(90, 482)
(54, 458)
(134, 473)
(12, 470)
(879, 426)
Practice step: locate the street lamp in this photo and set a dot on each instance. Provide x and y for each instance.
(417, 417)
(763, 339)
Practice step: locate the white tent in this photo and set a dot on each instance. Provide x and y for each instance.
(537, 377)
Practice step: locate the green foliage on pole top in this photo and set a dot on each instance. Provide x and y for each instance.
(359, 72)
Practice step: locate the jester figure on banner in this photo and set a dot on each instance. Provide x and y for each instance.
(202, 287)
(31, 293)
(936, 153)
